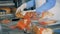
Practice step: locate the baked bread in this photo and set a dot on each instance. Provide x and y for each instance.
(8, 10)
(19, 15)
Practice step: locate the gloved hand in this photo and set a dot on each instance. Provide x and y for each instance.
(46, 14)
(21, 8)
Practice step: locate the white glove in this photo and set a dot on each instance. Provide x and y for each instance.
(21, 8)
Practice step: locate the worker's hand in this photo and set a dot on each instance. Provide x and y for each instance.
(21, 8)
(48, 14)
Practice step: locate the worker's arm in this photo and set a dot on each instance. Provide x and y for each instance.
(46, 6)
(30, 4)
(26, 5)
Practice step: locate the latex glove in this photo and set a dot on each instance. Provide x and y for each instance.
(21, 8)
(46, 15)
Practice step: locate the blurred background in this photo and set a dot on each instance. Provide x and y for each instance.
(12, 5)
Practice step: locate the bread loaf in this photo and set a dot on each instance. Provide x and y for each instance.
(19, 15)
(8, 10)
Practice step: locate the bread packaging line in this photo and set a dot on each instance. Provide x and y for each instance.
(26, 22)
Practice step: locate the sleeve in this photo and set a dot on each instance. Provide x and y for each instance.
(30, 4)
(46, 6)
(25, 5)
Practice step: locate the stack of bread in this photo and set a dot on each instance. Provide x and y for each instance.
(7, 9)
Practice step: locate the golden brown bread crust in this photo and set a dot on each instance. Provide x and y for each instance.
(28, 14)
(19, 15)
(8, 10)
